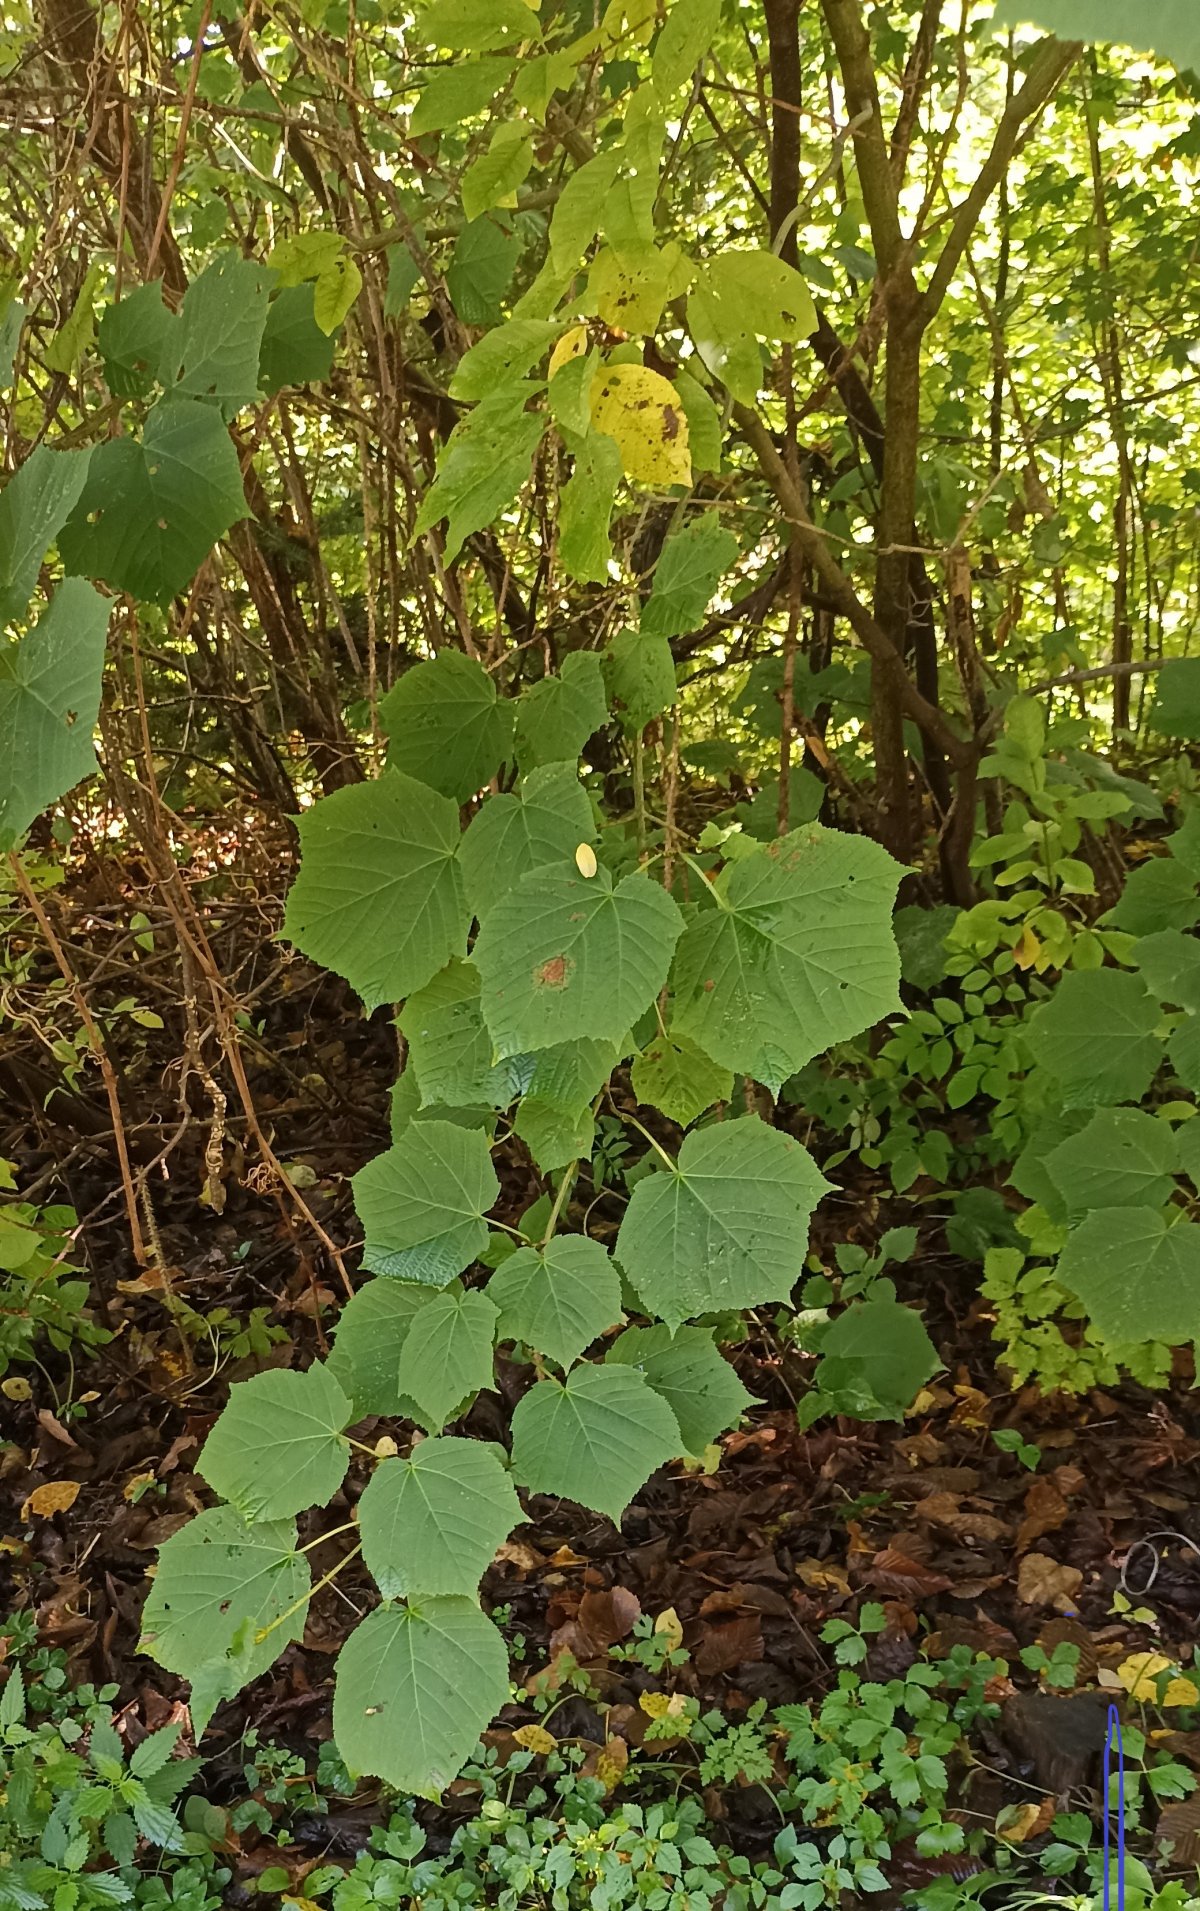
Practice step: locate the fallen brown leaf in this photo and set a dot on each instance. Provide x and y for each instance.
(515, 1552)
(1181, 1744)
(1045, 1511)
(943, 1509)
(981, 1635)
(174, 1453)
(1068, 1479)
(1180, 1825)
(604, 1618)
(975, 1587)
(1057, 1632)
(745, 1596)
(730, 1644)
(920, 1449)
(755, 1437)
(900, 1577)
(55, 1429)
(1041, 1581)
(825, 1575)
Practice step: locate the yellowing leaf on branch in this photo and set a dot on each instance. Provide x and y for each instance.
(572, 344)
(628, 19)
(639, 410)
(669, 1626)
(57, 1496)
(630, 290)
(1028, 949)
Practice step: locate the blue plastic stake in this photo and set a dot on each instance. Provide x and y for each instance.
(1113, 1734)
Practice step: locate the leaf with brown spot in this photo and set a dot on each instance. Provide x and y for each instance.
(638, 410)
(551, 974)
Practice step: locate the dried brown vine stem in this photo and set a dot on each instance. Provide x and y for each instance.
(98, 1047)
(185, 117)
(144, 809)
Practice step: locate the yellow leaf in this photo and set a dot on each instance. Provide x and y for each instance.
(824, 1575)
(668, 1623)
(57, 1496)
(1016, 1823)
(706, 1463)
(137, 1485)
(639, 410)
(1028, 949)
(386, 1448)
(535, 1738)
(572, 344)
(630, 292)
(15, 1388)
(610, 1766)
(632, 19)
(585, 860)
(656, 1705)
(1139, 1674)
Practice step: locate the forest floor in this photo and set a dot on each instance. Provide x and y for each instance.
(958, 1540)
